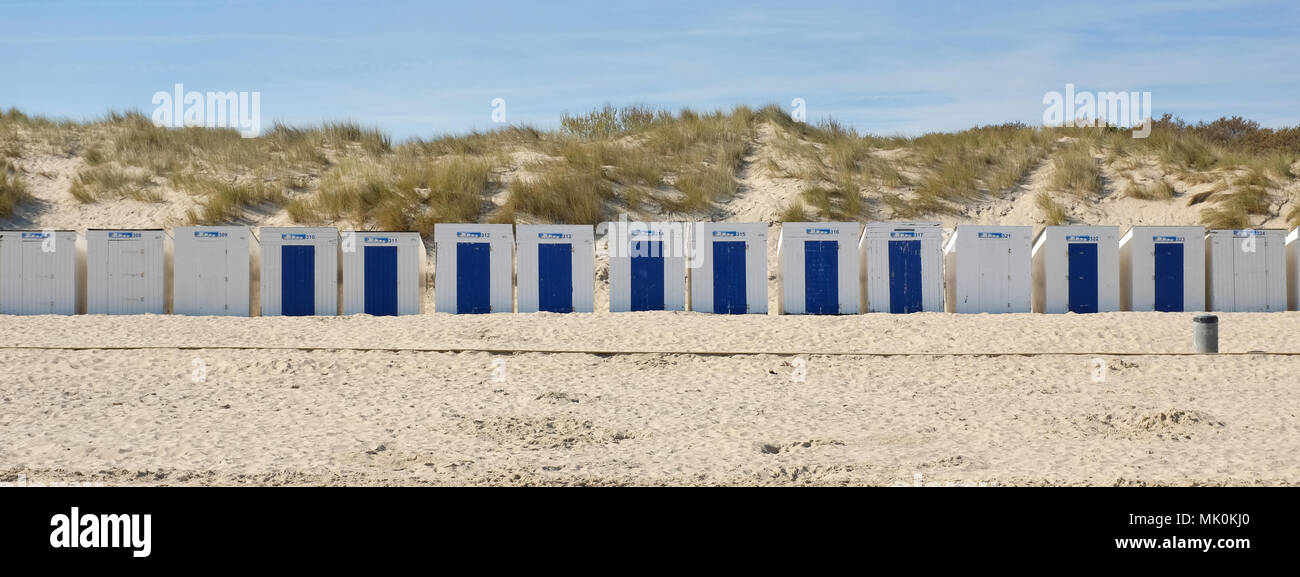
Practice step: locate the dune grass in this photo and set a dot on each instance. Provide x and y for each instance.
(411, 193)
(13, 190)
(654, 163)
(1158, 190)
(223, 201)
(1249, 197)
(1293, 215)
(1074, 170)
(683, 163)
(794, 212)
(962, 166)
(112, 182)
(1053, 212)
(917, 207)
(562, 196)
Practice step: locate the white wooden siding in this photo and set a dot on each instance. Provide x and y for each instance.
(700, 264)
(583, 239)
(126, 271)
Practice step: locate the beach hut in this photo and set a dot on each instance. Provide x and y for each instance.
(383, 273)
(556, 267)
(126, 271)
(1293, 270)
(728, 268)
(819, 268)
(475, 268)
(300, 271)
(213, 271)
(647, 266)
(1076, 269)
(986, 269)
(1162, 268)
(902, 263)
(1246, 270)
(38, 272)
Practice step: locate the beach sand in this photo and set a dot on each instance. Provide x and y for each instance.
(649, 399)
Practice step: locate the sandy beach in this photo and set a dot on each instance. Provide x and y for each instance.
(649, 399)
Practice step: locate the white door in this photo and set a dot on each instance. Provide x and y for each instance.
(995, 268)
(126, 277)
(1249, 276)
(37, 284)
(210, 288)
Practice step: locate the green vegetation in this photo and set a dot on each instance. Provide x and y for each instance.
(110, 182)
(13, 191)
(1053, 212)
(563, 196)
(794, 212)
(1158, 190)
(652, 162)
(1075, 171)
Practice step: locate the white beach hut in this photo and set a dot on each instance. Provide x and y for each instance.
(474, 269)
(986, 269)
(819, 268)
(213, 271)
(1162, 268)
(902, 263)
(1293, 269)
(1076, 269)
(647, 266)
(556, 267)
(728, 268)
(1246, 270)
(38, 272)
(383, 273)
(126, 271)
(300, 271)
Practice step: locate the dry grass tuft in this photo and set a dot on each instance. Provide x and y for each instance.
(111, 182)
(794, 212)
(1053, 212)
(1158, 190)
(562, 196)
(1075, 171)
(13, 191)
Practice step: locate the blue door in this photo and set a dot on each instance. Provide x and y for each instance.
(555, 278)
(381, 280)
(473, 277)
(647, 275)
(297, 280)
(1083, 278)
(1169, 277)
(904, 276)
(729, 278)
(821, 277)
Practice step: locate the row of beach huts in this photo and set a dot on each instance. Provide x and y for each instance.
(823, 268)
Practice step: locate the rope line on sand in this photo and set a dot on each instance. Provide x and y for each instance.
(646, 352)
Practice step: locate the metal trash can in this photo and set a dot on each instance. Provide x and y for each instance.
(1206, 333)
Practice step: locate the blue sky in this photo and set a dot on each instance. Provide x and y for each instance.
(427, 68)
